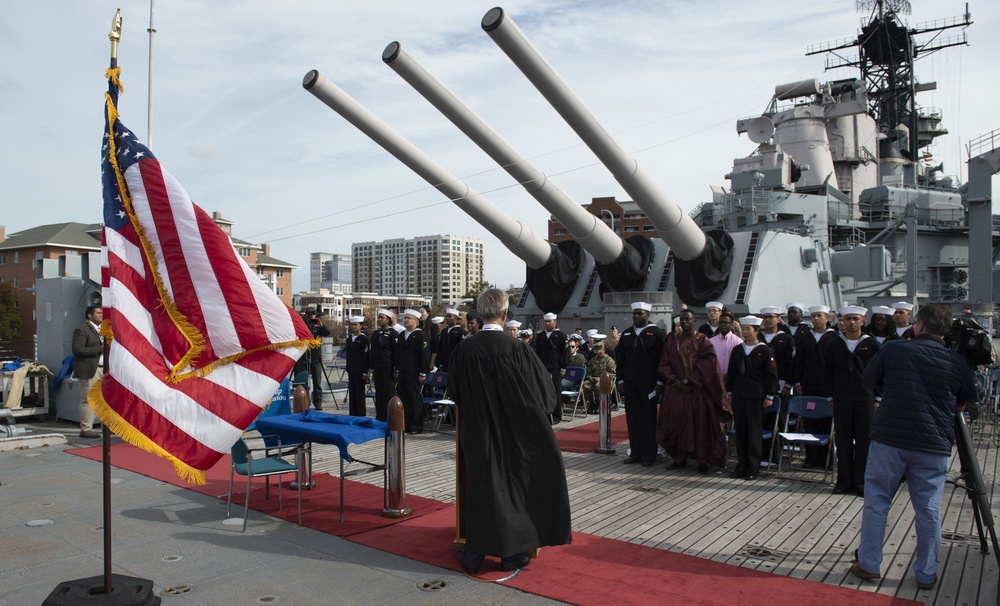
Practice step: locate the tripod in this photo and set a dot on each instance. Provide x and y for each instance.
(970, 479)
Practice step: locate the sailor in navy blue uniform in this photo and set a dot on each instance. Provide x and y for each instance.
(382, 357)
(751, 382)
(358, 364)
(852, 400)
(550, 345)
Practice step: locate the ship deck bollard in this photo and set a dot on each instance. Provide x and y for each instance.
(604, 430)
(303, 456)
(394, 492)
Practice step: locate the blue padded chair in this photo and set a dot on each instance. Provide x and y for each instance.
(807, 407)
(574, 378)
(434, 401)
(245, 464)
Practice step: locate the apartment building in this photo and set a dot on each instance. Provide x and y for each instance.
(441, 267)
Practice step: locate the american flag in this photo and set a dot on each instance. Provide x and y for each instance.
(200, 343)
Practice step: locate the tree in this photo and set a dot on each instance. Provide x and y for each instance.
(475, 289)
(10, 320)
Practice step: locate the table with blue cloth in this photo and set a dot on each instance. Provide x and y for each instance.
(325, 428)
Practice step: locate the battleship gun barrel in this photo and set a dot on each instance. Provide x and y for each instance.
(519, 238)
(602, 243)
(679, 231)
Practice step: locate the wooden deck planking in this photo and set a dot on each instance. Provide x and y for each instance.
(812, 532)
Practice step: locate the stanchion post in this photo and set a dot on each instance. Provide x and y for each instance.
(604, 427)
(394, 493)
(303, 456)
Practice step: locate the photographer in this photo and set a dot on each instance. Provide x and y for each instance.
(923, 385)
(314, 359)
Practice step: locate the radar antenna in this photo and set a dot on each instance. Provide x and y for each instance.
(886, 52)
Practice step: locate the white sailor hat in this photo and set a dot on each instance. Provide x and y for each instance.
(525, 333)
(820, 309)
(358, 319)
(411, 312)
(903, 305)
(642, 305)
(852, 309)
(386, 313)
(882, 309)
(770, 310)
(751, 320)
(437, 319)
(550, 316)
(796, 304)
(451, 311)
(714, 304)
(512, 324)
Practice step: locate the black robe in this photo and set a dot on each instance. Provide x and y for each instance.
(516, 498)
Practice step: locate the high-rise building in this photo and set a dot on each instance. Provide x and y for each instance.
(442, 267)
(328, 271)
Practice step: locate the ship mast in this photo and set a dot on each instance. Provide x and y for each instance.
(886, 52)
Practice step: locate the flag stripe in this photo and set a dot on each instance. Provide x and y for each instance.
(200, 342)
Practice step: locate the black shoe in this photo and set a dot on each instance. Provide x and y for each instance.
(318, 406)
(647, 463)
(471, 561)
(703, 468)
(678, 465)
(860, 491)
(629, 461)
(841, 489)
(738, 473)
(511, 563)
(751, 476)
(90, 434)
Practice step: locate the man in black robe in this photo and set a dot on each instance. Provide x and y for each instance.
(516, 499)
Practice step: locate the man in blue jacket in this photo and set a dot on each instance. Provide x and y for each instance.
(923, 385)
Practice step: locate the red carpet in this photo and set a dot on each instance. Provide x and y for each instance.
(584, 438)
(320, 506)
(593, 570)
(599, 571)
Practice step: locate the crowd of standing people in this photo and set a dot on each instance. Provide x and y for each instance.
(682, 389)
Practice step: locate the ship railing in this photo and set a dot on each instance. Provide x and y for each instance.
(985, 143)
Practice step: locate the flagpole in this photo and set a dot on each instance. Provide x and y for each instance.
(131, 591)
(115, 36)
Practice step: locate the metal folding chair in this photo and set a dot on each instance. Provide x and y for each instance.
(807, 407)
(574, 377)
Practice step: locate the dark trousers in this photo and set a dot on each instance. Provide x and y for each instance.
(356, 394)
(316, 375)
(853, 422)
(385, 389)
(557, 382)
(748, 414)
(640, 415)
(408, 388)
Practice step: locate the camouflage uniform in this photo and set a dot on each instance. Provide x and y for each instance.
(591, 385)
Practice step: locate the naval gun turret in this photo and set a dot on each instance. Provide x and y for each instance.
(541, 258)
(622, 264)
(703, 261)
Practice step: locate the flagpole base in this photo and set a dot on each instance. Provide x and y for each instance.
(125, 591)
(396, 513)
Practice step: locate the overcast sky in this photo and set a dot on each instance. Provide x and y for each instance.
(232, 122)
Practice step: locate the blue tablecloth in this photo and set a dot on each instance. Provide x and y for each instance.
(324, 428)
